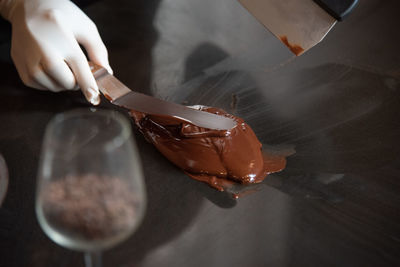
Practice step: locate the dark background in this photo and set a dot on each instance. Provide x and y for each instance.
(336, 204)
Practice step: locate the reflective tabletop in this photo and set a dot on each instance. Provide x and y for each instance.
(337, 106)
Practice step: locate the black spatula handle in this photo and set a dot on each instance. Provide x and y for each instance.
(338, 9)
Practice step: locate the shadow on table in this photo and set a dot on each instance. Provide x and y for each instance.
(173, 199)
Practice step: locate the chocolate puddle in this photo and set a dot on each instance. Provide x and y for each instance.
(218, 158)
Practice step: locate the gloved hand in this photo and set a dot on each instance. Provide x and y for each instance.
(45, 45)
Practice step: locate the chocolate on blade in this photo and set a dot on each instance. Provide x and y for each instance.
(216, 157)
(296, 49)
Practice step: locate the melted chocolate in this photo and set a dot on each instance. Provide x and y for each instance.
(219, 158)
(296, 49)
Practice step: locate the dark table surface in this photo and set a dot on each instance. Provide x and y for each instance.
(336, 204)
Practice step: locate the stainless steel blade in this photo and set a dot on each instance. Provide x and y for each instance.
(299, 24)
(119, 94)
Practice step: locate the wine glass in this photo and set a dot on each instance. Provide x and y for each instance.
(3, 179)
(90, 190)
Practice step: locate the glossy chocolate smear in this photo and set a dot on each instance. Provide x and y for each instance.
(216, 157)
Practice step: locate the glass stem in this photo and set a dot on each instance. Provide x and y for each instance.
(93, 259)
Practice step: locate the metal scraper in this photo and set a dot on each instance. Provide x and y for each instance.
(120, 95)
(299, 24)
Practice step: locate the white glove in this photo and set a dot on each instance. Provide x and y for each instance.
(45, 45)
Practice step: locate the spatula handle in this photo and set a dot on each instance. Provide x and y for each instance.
(97, 70)
(338, 9)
